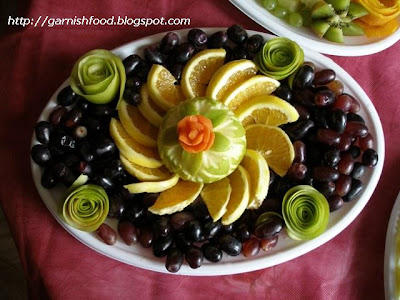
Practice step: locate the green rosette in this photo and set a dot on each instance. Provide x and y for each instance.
(86, 207)
(99, 77)
(279, 58)
(305, 211)
(213, 164)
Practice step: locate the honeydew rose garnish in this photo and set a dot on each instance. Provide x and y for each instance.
(98, 76)
(86, 207)
(305, 211)
(201, 140)
(279, 58)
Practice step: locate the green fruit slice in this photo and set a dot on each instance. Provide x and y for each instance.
(334, 34)
(86, 207)
(356, 11)
(305, 211)
(213, 164)
(352, 29)
(340, 6)
(279, 58)
(320, 27)
(322, 10)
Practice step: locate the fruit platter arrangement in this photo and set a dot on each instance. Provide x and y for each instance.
(203, 147)
(337, 27)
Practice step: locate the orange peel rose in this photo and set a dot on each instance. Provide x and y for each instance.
(195, 133)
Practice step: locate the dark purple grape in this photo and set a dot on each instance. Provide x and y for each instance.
(48, 180)
(251, 247)
(161, 245)
(366, 142)
(63, 140)
(142, 70)
(303, 112)
(254, 43)
(174, 260)
(169, 42)
(41, 155)
(180, 220)
(343, 185)
(325, 174)
(161, 226)
(346, 164)
(86, 151)
(132, 97)
(58, 115)
(355, 151)
(356, 129)
(355, 106)
(217, 40)
(83, 104)
(267, 244)
(230, 245)
(343, 102)
(93, 125)
(43, 130)
(324, 98)
(128, 232)
(308, 181)
(117, 206)
(104, 147)
(228, 55)
(107, 234)
(326, 188)
(103, 181)
(194, 231)
(194, 256)
(149, 199)
(328, 137)
(345, 142)
(320, 116)
(299, 152)
(243, 233)
(351, 117)
(73, 118)
(358, 170)
(370, 158)
(337, 120)
(331, 157)
(239, 52)
(133, 83)
(181, 241)
(237, 34)
(197, 37)
(304, 77)
(146, 237)
(284, 92)
(153, 55)
(131, 63)
(297, 171)
(356, 188)
(269, 226)
(335, 202)
(176, 71)
(211, 229)
(212, 252)
(184, 52)
(299, 129)
(304, 97)
(228, 228)
(324, 76)
(66, 96)
(71, 160)
(102, 110)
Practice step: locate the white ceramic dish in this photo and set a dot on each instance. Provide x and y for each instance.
(287, 248)
(353, 46)
(391, 257)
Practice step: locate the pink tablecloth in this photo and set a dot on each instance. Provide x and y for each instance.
(35, 61)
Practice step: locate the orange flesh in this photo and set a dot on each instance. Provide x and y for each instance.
(195, 133)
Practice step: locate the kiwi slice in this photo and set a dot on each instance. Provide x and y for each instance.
(356, 11)
(334, 34)
(322, 10)
(320, 27)
(352, 29)
(340, 6)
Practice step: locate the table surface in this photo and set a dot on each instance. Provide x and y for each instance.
(35, 61)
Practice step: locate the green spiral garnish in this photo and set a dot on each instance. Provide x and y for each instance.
(98, 76)
(86, 207)
(279, 58)
(305, 211)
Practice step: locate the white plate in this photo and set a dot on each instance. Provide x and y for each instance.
(352, 46)
(287, 248)
(391, 257)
